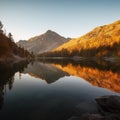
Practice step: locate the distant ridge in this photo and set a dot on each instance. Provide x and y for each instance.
(43, 43)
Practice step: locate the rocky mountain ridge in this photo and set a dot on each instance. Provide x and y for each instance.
(43, 43)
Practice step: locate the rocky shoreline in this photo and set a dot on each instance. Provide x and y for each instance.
(105, 108)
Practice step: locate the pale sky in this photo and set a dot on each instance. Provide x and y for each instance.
(69, 18)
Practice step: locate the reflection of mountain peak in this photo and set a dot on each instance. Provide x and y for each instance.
(46, 72)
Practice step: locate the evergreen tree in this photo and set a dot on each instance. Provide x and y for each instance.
(1, 26)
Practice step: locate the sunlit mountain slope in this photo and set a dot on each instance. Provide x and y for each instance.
(101, 41)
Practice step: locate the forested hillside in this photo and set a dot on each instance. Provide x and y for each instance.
(103, 41)
(9, 50)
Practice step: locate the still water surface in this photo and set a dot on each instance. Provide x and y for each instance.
(49, 90)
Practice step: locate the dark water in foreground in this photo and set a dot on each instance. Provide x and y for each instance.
(50, 90)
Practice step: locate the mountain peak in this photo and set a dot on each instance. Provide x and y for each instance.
(44, 42)
(50, 32)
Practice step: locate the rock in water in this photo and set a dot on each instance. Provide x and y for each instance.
(109, 103)
(109, 109)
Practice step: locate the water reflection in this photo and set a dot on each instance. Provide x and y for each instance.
(7, 72)
(105, 74)
(46, 72)
(50, 90)
(114, 66)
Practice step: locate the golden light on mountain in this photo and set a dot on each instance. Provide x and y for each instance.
(103, 36)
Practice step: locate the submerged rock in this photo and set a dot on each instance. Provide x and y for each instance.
(74, 118)
(99, 117)
(85, 107)
(92, 117)
(108, 109)
(88, 116)
(109, 103)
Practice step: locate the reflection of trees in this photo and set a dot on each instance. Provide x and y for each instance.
(10, 82)
(99, 64)
(7, 73)
(63, 62)
(106, 79)
(98, 73)
(1, 96)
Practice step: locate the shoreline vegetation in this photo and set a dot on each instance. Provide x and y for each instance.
(108, 51)
(78, 58)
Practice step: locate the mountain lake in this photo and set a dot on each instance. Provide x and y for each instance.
(51, 89)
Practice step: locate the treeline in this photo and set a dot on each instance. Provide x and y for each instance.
(101, 64)
(101, 51)
(8, 46)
